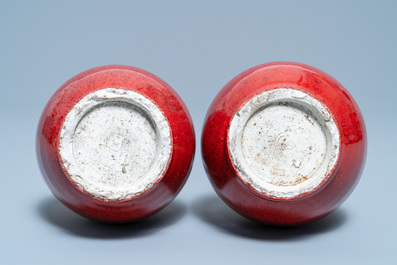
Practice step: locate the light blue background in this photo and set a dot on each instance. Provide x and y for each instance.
(196, 47)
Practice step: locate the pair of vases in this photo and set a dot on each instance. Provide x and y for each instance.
(283, 143)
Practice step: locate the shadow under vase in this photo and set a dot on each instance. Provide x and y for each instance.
(57, 214)
(212, 210)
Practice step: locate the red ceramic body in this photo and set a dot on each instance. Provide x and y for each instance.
(127, 78)
(242, 197)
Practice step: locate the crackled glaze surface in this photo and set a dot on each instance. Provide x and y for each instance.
(265, 159)
(115, 144)
(283, 142)
(103, 145)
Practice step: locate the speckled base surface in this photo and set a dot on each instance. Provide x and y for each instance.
(283, 142)
(115, 144)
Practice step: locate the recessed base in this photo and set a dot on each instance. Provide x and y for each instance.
(115, 144)
(283, 143)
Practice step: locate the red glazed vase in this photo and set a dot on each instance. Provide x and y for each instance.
(284, 143)
(115, 144)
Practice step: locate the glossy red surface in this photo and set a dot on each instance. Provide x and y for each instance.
(242, 197)
(128, 78)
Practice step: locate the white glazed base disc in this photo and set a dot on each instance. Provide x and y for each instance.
(284, 143)
(115, 144)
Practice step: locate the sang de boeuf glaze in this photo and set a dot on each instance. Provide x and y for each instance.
(115, 144)
(284, 143)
